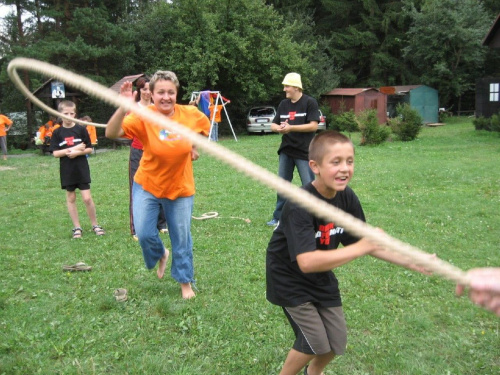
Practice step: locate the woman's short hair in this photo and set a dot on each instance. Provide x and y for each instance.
(163, 75)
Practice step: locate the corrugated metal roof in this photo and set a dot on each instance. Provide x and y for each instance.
(117, 85)
(348, 92)
(405, 88)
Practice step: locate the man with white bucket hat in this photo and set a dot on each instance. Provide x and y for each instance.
(297, 120)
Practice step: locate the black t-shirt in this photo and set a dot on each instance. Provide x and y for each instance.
(72, 171)
(300, 232)
(303, 111)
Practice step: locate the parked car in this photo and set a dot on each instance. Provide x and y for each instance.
(322, 121)
(259, 119)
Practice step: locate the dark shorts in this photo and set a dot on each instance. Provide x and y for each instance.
(77, 186)
(318, 330)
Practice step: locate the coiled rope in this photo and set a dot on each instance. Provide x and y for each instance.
(215, 215)
(281, 186)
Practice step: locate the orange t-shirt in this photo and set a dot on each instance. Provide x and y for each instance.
(218, 113)
(92, 134)
(166, 168)
(46, 132)
(4, 120)
(42, 130)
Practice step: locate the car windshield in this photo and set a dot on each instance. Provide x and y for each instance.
(257, 112)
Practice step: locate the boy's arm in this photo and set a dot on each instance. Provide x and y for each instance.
(326, 260)
(400, 260)
(79, 150)
(72, 152)
(59, 153)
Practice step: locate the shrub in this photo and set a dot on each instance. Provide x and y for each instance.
(495, 123)
(346, 121)
(481, 123)
(371, 132)
(407, 124)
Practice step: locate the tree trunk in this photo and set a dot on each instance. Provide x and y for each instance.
(26, 78)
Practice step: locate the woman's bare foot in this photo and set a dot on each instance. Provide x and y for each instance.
(187, 291)
(162, 265)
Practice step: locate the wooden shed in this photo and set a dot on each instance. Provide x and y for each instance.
(52, 92)
(357, 99)
(488, 88)
(422, 98)
(132, 78)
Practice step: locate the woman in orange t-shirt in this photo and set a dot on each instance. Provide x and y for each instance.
(164, 178)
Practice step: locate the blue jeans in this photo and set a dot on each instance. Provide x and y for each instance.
(214, 136)
(178, 215)
(287, 165)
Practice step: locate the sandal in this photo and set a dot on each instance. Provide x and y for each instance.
(98, 230)
(120, 295)
(80, 266)
(77, 232)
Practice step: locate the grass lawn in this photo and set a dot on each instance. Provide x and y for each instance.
(440, 193)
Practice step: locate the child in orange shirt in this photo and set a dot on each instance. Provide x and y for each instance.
(5, 124)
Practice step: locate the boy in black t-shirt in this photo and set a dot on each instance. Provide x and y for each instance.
(303, 251)
(71, 144)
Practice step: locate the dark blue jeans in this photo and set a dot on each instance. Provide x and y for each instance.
(286, 167)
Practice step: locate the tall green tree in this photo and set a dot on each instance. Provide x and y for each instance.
(84, 36)
(242, 48)
(444, 46)
(363, 38)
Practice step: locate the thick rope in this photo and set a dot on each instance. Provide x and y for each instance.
(281, 186)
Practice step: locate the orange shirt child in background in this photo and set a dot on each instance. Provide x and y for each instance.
(91, 130)
(5, 125)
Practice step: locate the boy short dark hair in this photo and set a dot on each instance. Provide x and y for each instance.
(65, 104)
(317, 147)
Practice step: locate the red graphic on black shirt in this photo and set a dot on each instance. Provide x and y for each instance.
(70, 141)
(292, 115)
(325, 233)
